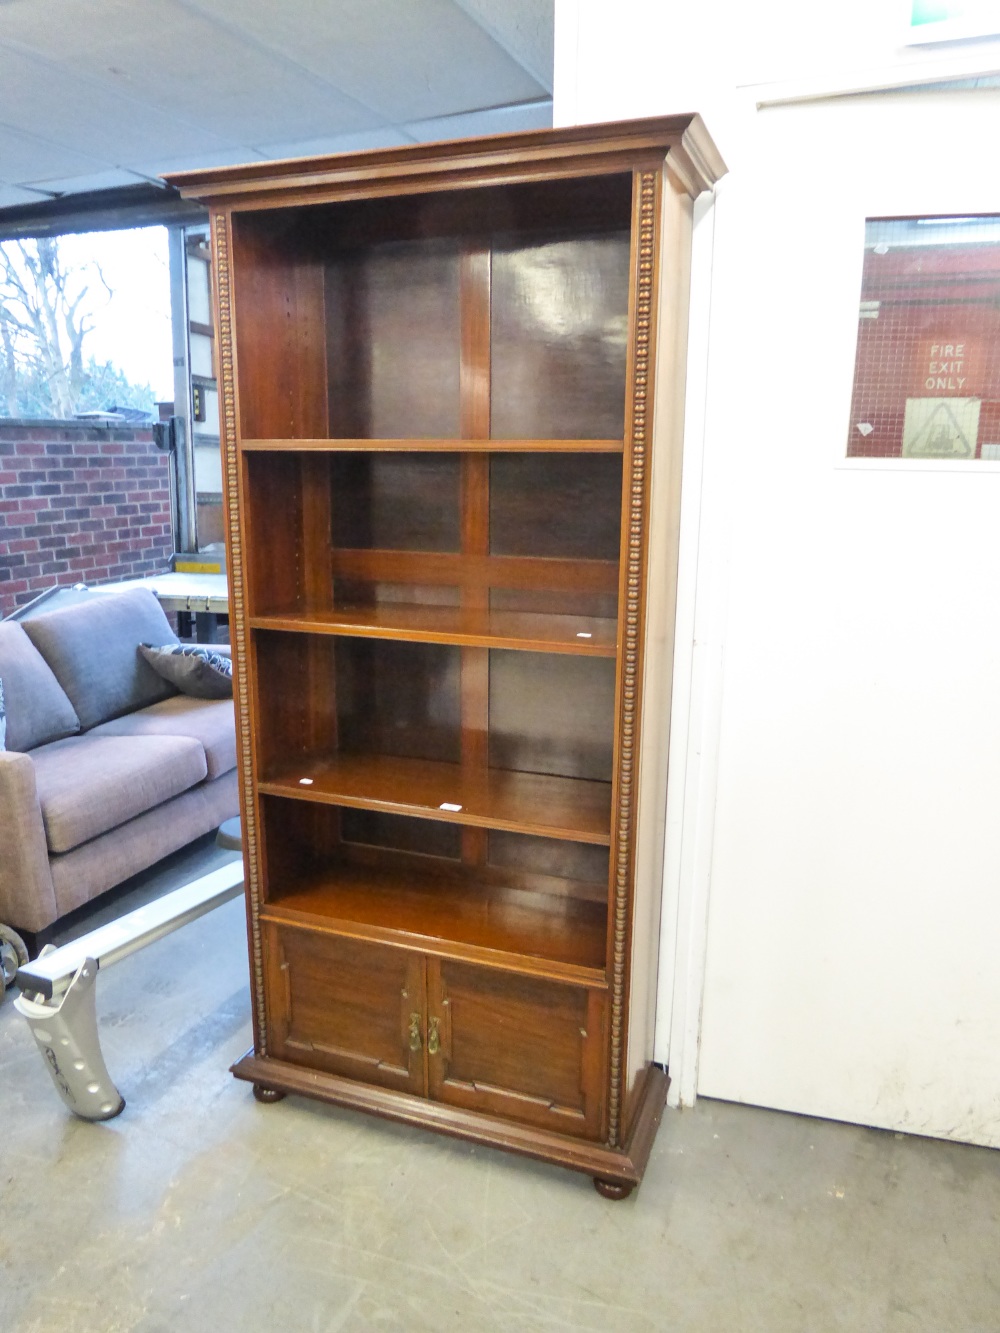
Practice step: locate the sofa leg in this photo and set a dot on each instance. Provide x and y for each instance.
(36, 940)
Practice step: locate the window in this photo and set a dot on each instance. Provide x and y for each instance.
(927, 372)
(85, 326)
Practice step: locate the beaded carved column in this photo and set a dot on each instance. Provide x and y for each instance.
(631, 592)
(237, 592)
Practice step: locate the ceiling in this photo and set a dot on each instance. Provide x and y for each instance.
(100, 94)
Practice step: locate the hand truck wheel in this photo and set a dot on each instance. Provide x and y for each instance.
(13, 954)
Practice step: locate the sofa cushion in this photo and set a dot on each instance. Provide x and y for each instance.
(93, 649)
(37, 707)
(194, 668)
(86, 871)
(210, 721)
(90, 784)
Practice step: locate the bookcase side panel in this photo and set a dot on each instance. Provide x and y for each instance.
(647, 185)
(273, 520)
(664, 484)
(280, 327)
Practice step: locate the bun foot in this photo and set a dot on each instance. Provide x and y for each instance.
(264, 1094)
(612, 1189)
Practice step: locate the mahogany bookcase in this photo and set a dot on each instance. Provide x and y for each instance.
(452, 397)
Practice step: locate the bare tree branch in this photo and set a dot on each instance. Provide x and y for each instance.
(44, 321)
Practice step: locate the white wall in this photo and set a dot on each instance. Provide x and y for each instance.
(653, 57)
(835, 797)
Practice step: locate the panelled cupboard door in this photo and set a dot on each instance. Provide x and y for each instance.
(346, 1006)
(520, 1047)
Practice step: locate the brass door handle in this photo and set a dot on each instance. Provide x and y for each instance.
(434, 1037)
(415, 1032)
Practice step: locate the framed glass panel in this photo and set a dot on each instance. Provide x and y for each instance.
(927, 370)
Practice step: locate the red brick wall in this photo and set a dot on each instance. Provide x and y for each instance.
(929, 298)
(79, 503)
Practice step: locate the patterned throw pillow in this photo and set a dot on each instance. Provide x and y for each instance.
(3, 720)
(192, 668)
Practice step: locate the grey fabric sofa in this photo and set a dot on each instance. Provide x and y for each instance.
(107, 767)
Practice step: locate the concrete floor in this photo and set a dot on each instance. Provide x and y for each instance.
(198, 1208)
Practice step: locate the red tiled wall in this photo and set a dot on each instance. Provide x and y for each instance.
(79, 503)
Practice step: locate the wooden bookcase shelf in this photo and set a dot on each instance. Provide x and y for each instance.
(409, 446)
(587, 636)
(451, 380)
(530, 903)
(552, 807)
(527, 530)
(559, 937)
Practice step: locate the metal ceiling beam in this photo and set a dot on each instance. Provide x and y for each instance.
(99, 210)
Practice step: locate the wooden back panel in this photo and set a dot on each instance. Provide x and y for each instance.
(559, 334)
(393, 341)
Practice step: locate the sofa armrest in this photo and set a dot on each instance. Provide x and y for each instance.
(27, 897)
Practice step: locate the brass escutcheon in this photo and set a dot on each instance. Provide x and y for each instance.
(414, 1032)
(434, 1037)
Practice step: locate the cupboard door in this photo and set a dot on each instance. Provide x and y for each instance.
(520, 1047)
(346, 1006)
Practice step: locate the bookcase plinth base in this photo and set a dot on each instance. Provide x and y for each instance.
(615, 1171)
